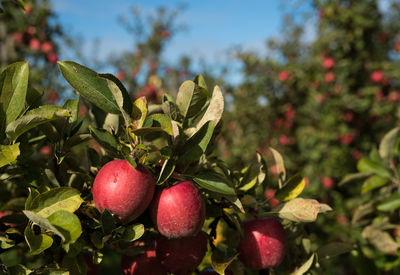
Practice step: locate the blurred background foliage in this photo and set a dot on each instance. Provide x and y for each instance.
(325, 103)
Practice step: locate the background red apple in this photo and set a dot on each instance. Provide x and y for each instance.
(145, 263)
(181, 256)
(122, 189)
(263, 244)
(178, 211)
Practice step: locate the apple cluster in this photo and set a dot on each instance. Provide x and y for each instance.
(178, 213)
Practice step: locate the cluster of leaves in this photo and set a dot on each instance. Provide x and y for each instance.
(49, 222)
(375, 219)
(324, 103)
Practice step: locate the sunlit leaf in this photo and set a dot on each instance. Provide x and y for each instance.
(8, 153)
(293, 188)
(37, 243)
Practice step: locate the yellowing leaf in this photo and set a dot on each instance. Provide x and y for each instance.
(292, 189)
(300, 210)
(8, 153)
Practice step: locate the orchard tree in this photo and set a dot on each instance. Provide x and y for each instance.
(149, 186)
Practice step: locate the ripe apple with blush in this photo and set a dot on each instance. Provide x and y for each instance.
(181, 256)
(178, 211)
(122, 189)
(263, 244)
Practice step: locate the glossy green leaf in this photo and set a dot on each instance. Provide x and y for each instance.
(386, 146)
(195, 146)
(37, 243)
(43, 223)
(107, 222)
(249, 180)
(72, 105)
(166, 170)
(90, 85)
(221, 258)
(214, 110)
(35, 118)
(162, 121)
(126, 103)
(279, 164)
(13, 87)
(133, 232)
(299, 210)
(105, 139)
(67, 223)
(390, 204)
(372, 183)
(33, 193)
(305, 267)
(61, 198)
(214, 182)
(121, 97)
(293, 188)
(190, 99)
(139, 113)
(8, 153)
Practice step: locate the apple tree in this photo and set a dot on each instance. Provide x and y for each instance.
(141, 184)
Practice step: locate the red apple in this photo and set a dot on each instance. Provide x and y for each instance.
(283, 76)
(263, 244)
(34, 44)
(52, 58)
(376, 76)
(329, 77)
(211, 271)
(328, 63)
(47, 47)
(178, 211)
(122, 189)
(181, 256)
(143, 264)
(328, 182)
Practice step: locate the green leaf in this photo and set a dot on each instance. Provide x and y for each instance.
(334, 249)
(43, 223)
(166, 170)
(249, 180)
(33, 97)
(107, 222)
(214, 110)
(367, 165)
(121, 97)
(214, 182)
(293, 188)
(372, 183)
(75, 140)
(390, 204)
(305, 267)
(195, 146)
(162, 121)
(67, 223)
(8, 153)
(386, 146)
(72, 105)
(126, 98)
(133, 232)
(279, 164)
(139, 113)
(33, 193)
(61, 198)
(105, 139)
(90, 85)
(299, 210)
(190, 99)
(221, 258)
(199, 80)
(35, 118)
(37, 243)
(19, 270)
(13, 87)
(354, 177)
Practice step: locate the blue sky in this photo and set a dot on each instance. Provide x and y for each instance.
(212, 27)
